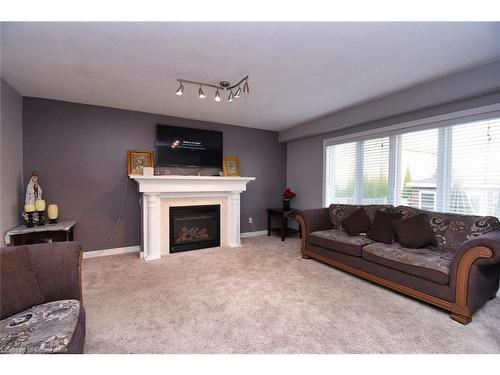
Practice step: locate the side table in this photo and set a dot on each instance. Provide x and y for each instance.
(58, 232)
(284, 229)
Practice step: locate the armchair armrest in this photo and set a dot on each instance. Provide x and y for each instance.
(58, 266)
(313, 220)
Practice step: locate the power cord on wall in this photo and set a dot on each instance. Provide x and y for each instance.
(119, 216)
(246, 211)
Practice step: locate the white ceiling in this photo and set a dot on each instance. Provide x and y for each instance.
(298, 71)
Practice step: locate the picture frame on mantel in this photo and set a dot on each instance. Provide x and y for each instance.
(137, 160)
(231, 166)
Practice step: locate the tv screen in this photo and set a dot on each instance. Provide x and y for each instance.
(186, 147)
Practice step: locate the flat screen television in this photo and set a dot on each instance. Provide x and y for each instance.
(186, 147)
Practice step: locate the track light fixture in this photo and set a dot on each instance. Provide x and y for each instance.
(238, 92)
(180, 90)
(223, 85)
(201, 94)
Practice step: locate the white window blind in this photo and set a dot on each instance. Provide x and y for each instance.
(375, 171)
(454, 168)
(475, 169)
(418, 169)
(340, 173)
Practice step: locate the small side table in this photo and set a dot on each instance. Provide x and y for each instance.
(284, 230)
(58, 232)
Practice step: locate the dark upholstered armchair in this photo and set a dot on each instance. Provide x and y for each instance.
(41, 299)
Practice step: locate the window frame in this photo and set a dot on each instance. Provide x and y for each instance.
(394, 133)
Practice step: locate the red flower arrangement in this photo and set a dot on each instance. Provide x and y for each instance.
(288, 194)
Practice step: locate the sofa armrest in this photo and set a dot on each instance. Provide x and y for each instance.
(490, 240)
(313, 220)
(480, 252)
(58, 266)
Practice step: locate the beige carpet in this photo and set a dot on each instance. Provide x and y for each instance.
(262, 298)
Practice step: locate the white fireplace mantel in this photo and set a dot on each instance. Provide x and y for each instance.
(156, 188)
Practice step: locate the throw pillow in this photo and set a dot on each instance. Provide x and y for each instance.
(382, 229)
(356, 223)
(415, 231)
(18, 284)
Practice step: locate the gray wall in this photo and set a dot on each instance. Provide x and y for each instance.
(81, 154)
(11, 150)
(305, 156)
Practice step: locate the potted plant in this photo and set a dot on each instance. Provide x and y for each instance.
(288, 194)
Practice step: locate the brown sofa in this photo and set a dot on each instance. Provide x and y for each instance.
(41, 299)
(460, 273)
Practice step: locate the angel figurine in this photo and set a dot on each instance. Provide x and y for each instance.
(33, 193)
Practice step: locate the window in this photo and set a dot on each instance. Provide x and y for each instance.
(475, 168)
(375, 171)
(454, 168)
(417, 166)
(340, 175)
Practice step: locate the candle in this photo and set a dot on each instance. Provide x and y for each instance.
(29, 208)
(40, 205)
(52, 212)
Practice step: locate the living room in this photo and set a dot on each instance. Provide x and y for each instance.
(242, 188)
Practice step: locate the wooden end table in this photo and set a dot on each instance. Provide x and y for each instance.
(58, 232)
(284, 229)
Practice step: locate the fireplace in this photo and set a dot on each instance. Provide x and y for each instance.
(194, 227)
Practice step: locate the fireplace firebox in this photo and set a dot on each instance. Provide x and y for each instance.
(194, 227)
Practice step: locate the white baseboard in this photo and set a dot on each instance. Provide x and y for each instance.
(253, 234)
(115, 251)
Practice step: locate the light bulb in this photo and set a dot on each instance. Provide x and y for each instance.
(201, 94)
(217, 96)
(230, 97)
(180, 90)
(237, 94)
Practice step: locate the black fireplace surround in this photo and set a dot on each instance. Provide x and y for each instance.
(194, 227)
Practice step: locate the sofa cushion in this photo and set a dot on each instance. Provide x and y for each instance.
(18, 284)
(415, 231)
(426, 263)
(338, 212)
(46, 328)
(356, 223)
(338, 240)
(382, 229)
(452, 230)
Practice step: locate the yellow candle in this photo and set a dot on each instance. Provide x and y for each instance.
(40, 205)
(52, 211)
(29, 208)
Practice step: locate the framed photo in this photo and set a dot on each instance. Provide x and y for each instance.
(137, 160)
(231, 166)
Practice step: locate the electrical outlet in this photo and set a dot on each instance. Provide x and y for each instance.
(250, 220)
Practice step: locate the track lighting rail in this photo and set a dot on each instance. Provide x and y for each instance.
(223, 85)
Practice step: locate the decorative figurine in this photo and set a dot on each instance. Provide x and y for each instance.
(33, 194)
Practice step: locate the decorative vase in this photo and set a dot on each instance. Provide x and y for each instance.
(286, 204)
(52, 213)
